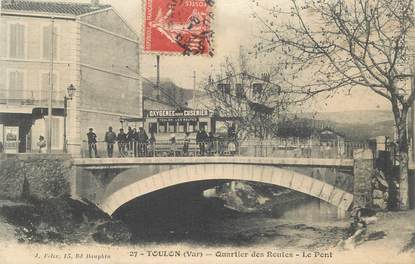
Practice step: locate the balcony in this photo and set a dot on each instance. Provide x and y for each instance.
(30, 98)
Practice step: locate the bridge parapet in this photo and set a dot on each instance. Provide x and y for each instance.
(133, 162)
(249, 148)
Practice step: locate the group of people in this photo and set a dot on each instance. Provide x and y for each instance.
(207, 143)
(139, 144)
(132, 142)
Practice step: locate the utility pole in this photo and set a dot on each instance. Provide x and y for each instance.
(158, 77)
(49, 129)
(194, 89)
(413, 101)
(413, 110)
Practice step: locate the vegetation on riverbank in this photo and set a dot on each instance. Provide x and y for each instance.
(62, 220)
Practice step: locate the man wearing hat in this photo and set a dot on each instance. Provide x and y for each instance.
(142, 142)
(110, 138)
(92, 143)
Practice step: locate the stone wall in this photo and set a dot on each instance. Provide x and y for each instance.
(363, 173)
(47, 175)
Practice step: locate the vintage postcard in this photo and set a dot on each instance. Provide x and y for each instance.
(203, 131)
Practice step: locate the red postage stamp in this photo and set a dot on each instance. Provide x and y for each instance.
(179, 26)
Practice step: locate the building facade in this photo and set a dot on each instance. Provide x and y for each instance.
(92, 48)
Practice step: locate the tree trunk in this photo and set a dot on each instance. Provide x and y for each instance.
(403, 181)
(403, 160)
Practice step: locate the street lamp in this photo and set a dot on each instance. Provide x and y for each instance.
(70, 93)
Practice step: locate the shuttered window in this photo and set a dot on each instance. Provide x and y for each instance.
(47, 42)
(16, 85)
(17, 41)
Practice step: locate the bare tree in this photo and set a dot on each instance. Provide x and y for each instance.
(250, 98)
(347, 44)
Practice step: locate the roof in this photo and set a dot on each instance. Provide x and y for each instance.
(329, 134)
(64, 8)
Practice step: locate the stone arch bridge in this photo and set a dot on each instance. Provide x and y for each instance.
(112, 182)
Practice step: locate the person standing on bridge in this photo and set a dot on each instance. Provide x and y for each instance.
(232, 139)
(122, 141)
(110, 138)
(201, 138)
(210, 144)
(136, 142)
(92, 143)
(142, 142)
(130, 140)
(152, 143)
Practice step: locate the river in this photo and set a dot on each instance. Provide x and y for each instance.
(183, 215)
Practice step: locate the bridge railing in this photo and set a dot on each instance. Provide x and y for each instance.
(251, 148)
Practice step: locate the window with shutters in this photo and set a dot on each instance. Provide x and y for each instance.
(17, 40)
(57, 132)
(16, 85)
(44, 88)
(47, 42)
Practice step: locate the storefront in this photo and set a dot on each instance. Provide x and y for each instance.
(9, 139)
(19, 132)
(163, 123)
(15, 133)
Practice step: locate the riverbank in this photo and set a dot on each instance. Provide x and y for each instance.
(85, 228)
(63, 220)
(58, 221)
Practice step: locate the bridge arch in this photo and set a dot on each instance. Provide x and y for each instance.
(246, 172)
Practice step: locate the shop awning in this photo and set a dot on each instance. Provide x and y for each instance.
(15, 110)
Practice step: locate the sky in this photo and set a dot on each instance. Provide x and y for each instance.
(234, 27)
